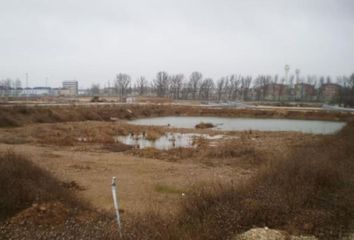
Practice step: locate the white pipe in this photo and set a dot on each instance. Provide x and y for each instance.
(116, 206)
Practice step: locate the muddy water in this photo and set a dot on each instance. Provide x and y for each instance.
(240, 124)
(166, 141)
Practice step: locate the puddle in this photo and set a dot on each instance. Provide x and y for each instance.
(241, 124)
(167, 141)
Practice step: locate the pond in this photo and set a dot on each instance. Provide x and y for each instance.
(241, 124)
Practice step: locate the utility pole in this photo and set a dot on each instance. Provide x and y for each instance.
(297, 71)
(26, 87)
(287, 68)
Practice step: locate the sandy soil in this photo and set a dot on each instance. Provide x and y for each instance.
(143, 183)
(145, 180)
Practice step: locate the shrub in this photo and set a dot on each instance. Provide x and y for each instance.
(203, 125)
(8, 121)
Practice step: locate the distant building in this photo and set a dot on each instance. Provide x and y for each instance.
(41, 91)
(36, 91)
(305, 91)
(330, 91)
(83, 92)
(54, 91)
(66, 92)
(72, 87)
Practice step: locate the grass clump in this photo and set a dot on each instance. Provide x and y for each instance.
(162, 188)
(152, 134)
(8, 121)
(13, 139)
(204, 125)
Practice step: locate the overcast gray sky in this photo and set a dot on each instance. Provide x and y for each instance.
(92, 40)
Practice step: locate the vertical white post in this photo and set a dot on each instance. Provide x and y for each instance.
(116, 206)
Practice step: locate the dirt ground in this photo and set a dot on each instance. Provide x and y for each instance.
(145, 181)
(148, 179)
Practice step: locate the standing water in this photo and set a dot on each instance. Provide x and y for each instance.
(241, 124)
(166, 141)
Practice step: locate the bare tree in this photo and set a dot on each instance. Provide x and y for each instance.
(260, 86)
(328, 79)
(348, 91)
(226, 93)
(351, 82)
(321, 83)
(206, 89)
(195, 80)
(220, 84)
(245, 86)
(122, 84)
(233, 88)
(18, 83)
(161, 84)
(6, 86)
(6, 83)
(185, 90)
(95, 89)
(311, 80)
(176, 82)
(141, 85)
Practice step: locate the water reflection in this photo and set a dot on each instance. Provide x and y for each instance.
(166, 141)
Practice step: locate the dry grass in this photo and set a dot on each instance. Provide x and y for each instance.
(117, 147)
(203, 125)
(309, 192)
(23, 184)
(153, 134)
(19, 115)
(8, 121)
(163, 188)
(11, 139)
(89, 132)
(226, 152)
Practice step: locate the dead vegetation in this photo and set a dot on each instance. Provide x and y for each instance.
(89, 132)
(232, 154)
(23, 184)
(309, 192)
(13, 140)
(6, 120)
(302, 187)
(20, 115)
(203, 125)
(117, 147)
(246, 148)
(35, 205)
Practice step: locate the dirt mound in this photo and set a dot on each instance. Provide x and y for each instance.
(54, 221)
(22, 184)
(269, 234)
(203, 125)
(72, 185)
(45, 214)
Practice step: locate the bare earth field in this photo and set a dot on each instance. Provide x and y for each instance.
(148, 179)
(143, 182)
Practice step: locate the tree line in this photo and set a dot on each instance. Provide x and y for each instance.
(229, 88)
(232, 87)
